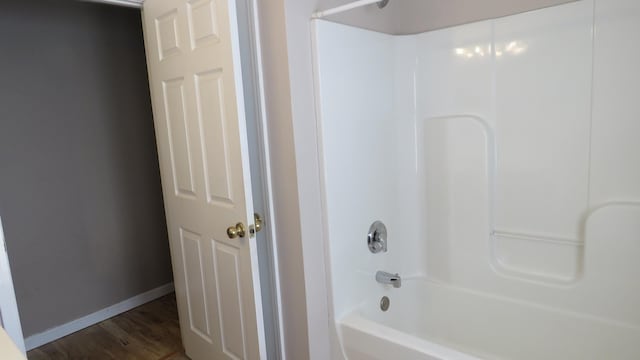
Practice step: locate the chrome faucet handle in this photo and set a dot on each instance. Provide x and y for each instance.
(377, 237)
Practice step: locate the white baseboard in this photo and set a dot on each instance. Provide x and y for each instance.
(57, 332)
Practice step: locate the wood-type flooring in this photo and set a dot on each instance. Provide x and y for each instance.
(148, 332)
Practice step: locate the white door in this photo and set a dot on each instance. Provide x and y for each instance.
(196, 86)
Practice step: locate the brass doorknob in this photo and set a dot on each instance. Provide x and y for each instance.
(258, 221)
(236, 231)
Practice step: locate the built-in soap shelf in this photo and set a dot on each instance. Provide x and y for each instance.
(547, 258)
(536, 257)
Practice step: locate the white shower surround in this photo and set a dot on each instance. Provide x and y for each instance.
(503, 158)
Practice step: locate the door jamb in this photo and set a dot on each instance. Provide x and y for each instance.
(9, 315)
(265, 169)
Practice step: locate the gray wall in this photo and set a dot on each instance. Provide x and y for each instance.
(80, 193)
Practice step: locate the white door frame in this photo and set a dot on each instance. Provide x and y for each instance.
(266, 192)
(262, 130)
(9, 316)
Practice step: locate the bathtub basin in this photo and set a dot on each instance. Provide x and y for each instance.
(432, 321)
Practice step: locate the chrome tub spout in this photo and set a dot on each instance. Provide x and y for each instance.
(387, 278)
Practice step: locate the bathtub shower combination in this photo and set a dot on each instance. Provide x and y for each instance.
(503, 159)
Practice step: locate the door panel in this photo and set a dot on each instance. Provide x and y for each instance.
(194, 70)
(179, 144)
(203, 24)
(209, 90)
(167, 34)
(194, 284)
(226, 260)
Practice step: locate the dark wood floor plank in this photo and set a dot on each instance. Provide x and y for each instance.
(148, 332)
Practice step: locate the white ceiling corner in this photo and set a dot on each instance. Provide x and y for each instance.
(128, 3)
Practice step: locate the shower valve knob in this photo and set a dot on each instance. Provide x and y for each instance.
(377, 237)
